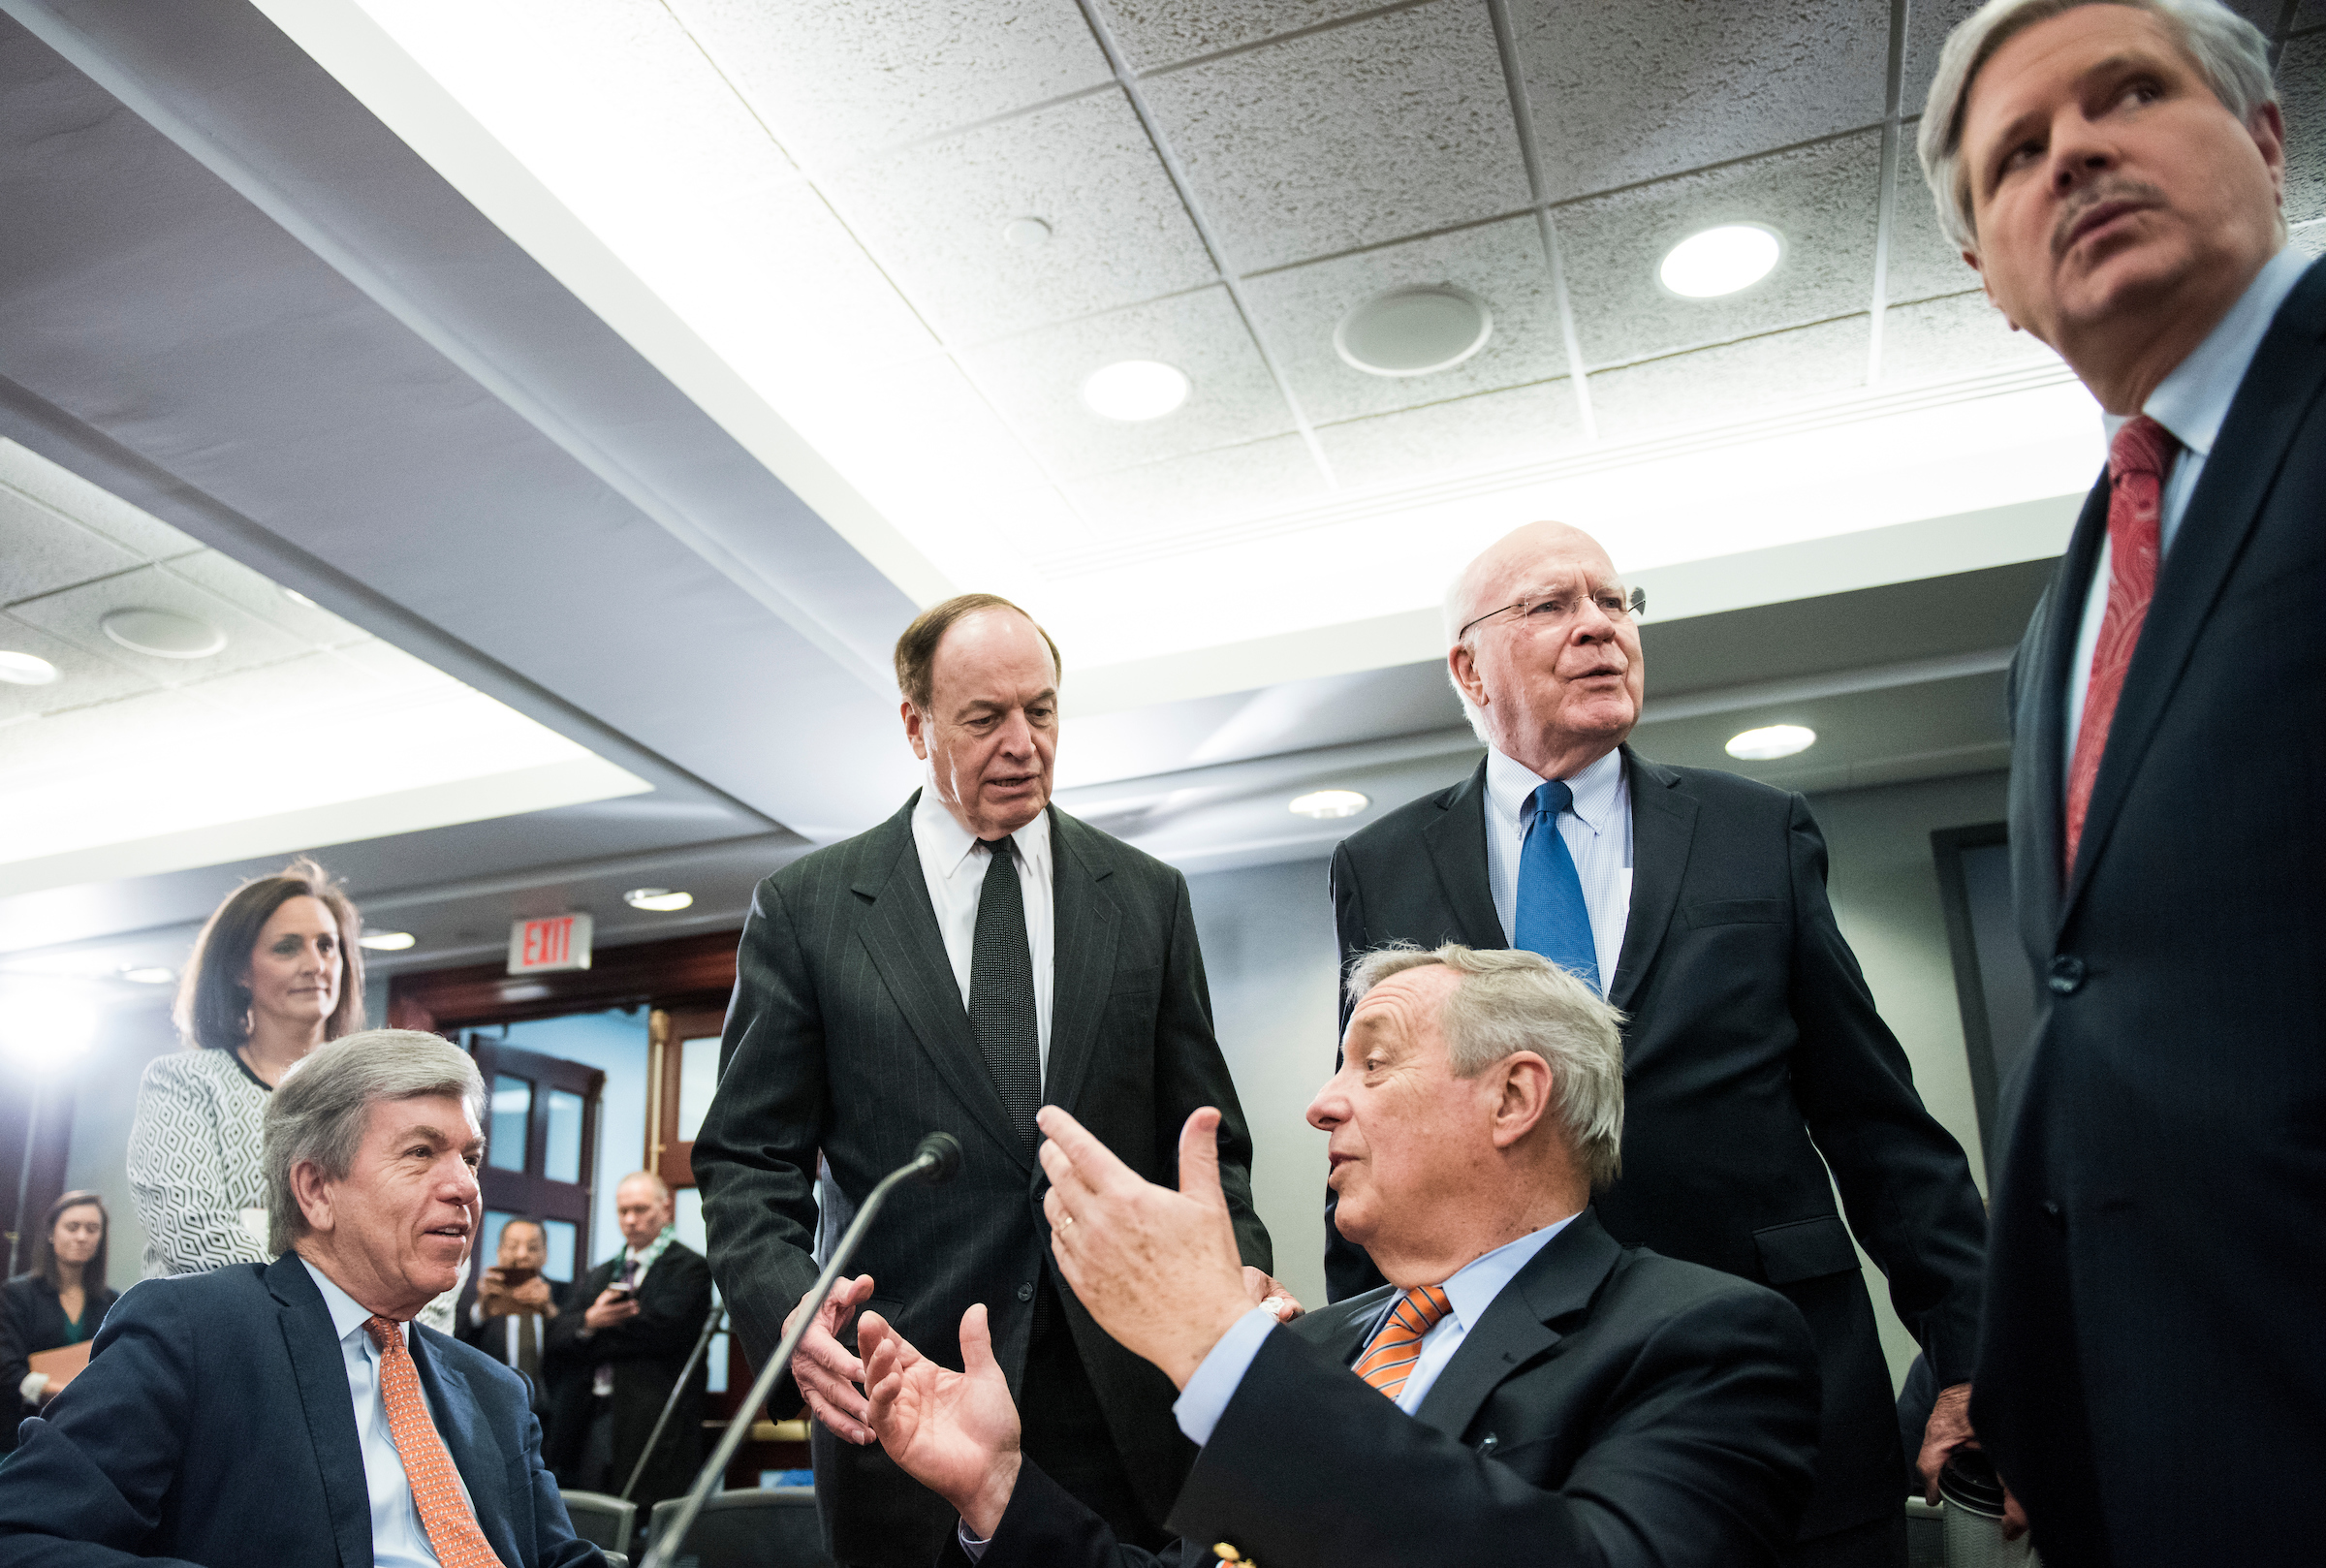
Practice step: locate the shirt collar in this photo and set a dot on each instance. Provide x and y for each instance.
(2194, 401)
(1509, 785)
(954, 844)
(348, 1315)
(1476, 1283)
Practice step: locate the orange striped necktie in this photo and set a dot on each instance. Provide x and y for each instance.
(1389, 1360)
(443, 1513)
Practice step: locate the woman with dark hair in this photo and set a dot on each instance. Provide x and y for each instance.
(60, 1302)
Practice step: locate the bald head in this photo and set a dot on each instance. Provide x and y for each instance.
(1557, 682)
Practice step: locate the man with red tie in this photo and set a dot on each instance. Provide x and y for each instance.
(1525, 1389)
(293, 1412)
(2150, 1374)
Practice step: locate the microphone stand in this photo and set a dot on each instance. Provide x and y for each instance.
(710, 1329)
(939, 1158)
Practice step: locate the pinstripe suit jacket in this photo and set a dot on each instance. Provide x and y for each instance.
(847, 1038)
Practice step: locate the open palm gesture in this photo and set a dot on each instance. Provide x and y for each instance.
(955, 1433)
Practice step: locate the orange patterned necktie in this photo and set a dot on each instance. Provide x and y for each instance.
(1389, 1360)
(2138, 460)
(443, 1513)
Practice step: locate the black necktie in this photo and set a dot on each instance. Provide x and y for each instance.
(1001, 990)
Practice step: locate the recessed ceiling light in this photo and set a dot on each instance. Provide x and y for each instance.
(386, 941)
(662, 900)
(164, 634)
(1131, 389)
(1720, 260)
(25, 668)
(1026, 234)
(1772, 742)
(1325, 804)
(148, 974)
(296, 597)
(1413, 331)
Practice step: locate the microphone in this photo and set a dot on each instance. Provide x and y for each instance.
(938, 1159)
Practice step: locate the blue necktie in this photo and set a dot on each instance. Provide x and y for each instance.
(1553, 919)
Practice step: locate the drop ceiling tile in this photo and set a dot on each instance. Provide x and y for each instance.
(41, 551)
(1496, 429)
(391, 671)
(1734, 381)
(2302, 80)
(1152, 33)
(1632, 92)
(314, 682)
(82, 679)
(74, 616)
(142, 729)
(934, 214)
(1036, 380)
(1927, 22)
(1202, 490)
(1821, 198)
(1297, 309)
(1382, 128)
(2311, 14)
(62, 490)
(1923, 263)
(2309, 238)
(840, 79)
(238, 584)
(1960, 335)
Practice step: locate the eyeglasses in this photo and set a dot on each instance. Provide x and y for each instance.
(1561, 605)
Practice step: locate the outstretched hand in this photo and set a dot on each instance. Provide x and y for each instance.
(827, 1373)
(955, 1433)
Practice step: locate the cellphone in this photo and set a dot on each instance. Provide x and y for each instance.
(516, 1276)
(621, 1288)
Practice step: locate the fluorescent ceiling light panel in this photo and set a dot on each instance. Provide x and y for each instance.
(1135, 390)
(1720, 260)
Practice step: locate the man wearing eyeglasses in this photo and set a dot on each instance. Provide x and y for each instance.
(1695, 901)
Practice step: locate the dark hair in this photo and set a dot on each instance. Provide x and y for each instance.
(43, 1245)
(525, 1219)
(917, 648)
(213, 1005)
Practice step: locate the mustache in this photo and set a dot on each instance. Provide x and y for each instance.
(2111, 188)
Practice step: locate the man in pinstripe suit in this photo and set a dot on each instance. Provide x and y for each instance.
(977, 956)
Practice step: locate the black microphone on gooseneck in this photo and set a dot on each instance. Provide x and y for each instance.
(937, 1159)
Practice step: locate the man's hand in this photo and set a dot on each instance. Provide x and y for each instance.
(611, 1307)
(1157, 1269)
(1265, 1290)
(1948, 1430)
(533, 1296)
(955, 1433)
(827, 1376)
(493, 1297)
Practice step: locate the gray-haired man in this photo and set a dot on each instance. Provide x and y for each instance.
(292, 1412)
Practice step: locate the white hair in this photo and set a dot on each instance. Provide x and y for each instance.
(1506, 1002)
(2229, 51)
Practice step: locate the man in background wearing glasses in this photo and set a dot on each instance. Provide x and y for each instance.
(1695, 901)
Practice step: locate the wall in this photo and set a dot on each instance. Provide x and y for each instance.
(105, 1102)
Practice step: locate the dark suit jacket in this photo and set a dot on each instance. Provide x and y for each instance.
(32, 1319)
(646, 1354)
(847, 1037)
(2152, 1369)
(214, 1425)
(1611, 1407)
(491, 1336)
(1751, 1047)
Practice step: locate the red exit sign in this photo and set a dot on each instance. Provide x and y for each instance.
(539, 947)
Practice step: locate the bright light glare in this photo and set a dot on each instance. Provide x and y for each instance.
(1719, 260)
(386, 941)
(25, 668)
(148, 974)
(1325, 804)
(42, 1025)
(1136, 390)
(660, 900)
(1772, 742)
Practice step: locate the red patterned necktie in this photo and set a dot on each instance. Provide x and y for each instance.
(1389, 1360)
(443, 1513)
(2138, 460)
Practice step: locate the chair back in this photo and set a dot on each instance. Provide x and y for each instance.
(760, 1527)
(601, 1520)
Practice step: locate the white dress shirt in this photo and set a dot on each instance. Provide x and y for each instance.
(1597, 829)
(2191, 403)
(397, 1540)
(953, 863)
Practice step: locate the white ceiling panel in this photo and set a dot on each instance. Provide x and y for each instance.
(83, 679)
(1383, 128)
(840, 79)
(41, 551)
(1734, 381)
(1488, 430)
(1820, 199)
(238, 584)
(936, 212)
(2311, 14)
(1036, 380)
(74, 616)
(2302, 80)
(311, 683)
(1296, 310)
(1152, 33)
(1959, 336)
(1630, 92)
(1927, 22)
(68, 495)
(1207, 487)
(1922, 263)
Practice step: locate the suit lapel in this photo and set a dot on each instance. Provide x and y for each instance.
(320, 1369)
(1083, 949)
(900, 935)
(1557, 1284)
(1457, 842)
(1663, 827)
(2272, 401)
(2040, 744)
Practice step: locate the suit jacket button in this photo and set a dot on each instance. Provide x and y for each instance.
(1025, 1293)
(2067, 975)
(2051, 1212)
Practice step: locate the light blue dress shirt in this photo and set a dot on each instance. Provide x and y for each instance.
(1597, 829)
(2191, 403)
(397, 1540)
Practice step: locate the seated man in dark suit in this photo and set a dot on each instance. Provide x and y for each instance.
(1524, 1391)
(293, 1412)
(516, 1303)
